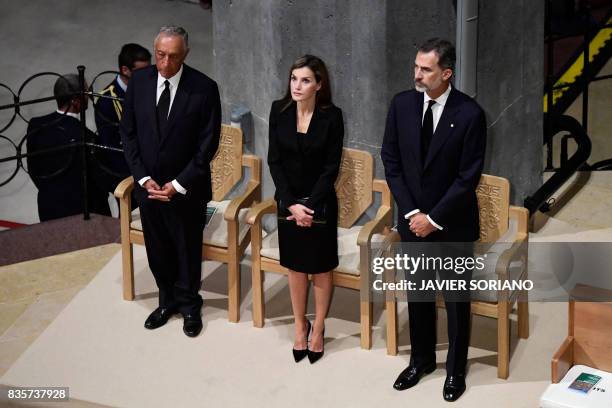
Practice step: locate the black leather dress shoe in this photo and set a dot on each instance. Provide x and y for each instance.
(411, 376)
(454, 386)
(192, 324)
(159, 317)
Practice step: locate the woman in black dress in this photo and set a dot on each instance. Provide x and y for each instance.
(305, 148)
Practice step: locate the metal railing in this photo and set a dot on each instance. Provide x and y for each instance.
(555, 122)
(78, 148)
(561, 123)
(580, 86)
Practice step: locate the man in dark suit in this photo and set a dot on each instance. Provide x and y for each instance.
(58, 174)
(170, 132)
(109, 112)
(433, 153)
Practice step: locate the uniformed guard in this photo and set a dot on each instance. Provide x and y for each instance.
(109, 111)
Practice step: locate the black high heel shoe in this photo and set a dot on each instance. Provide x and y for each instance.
(299, 355)
(314, 356)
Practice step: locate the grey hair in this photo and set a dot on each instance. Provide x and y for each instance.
(65, 89)
(173, 31)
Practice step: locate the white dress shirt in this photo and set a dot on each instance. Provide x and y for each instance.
(436, 111)
(174, 82)
(122, 84)
(73, 114)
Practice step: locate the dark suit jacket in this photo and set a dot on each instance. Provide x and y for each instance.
(184, 151)
(58, 175)
(313, 171)
(108, 113)
(445, 185)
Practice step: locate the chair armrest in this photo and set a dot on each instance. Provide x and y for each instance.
(520, 245)
(563, 360)
(124, 193)
(374, 226)
(521, 214)
(259, 210)
(250, 196)
(389, 239)
(514, 253)
(124, 188)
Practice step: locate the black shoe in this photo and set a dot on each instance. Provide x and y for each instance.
(192, 324)
(454, 387)
(314, 356)
(411, 376)
(159, 317)
(299, 355)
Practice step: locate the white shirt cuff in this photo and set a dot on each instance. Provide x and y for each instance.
(143, 180)
(433, 223)
(411, 213)
(180, 189)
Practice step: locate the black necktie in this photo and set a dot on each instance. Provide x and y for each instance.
(163, 106)
(427, 131)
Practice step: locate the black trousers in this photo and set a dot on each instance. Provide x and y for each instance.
(422, 309)
(173, 239)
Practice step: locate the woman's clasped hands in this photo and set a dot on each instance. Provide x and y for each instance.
(301, 214)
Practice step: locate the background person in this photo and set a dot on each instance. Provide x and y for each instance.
(108, 112)
(58, 175)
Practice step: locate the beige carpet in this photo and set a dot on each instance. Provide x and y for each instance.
(98, 347)
(33, 294)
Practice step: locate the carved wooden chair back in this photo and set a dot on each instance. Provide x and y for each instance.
(493, 204)
(354, 186)
(226, 167)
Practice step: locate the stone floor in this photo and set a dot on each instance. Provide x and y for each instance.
(33, 293)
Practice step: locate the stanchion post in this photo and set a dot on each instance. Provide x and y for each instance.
(83, 146)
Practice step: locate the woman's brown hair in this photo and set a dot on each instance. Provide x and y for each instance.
(317, 66)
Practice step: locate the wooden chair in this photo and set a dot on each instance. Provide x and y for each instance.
(226, 234)
(507, 250)
(354, 188)
(589, 337)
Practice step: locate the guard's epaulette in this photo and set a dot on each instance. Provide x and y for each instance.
(116, 104)
(110, 89)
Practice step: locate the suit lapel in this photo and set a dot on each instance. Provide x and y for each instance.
(416, 125)
(445, 127)
(151, 101)
(287, 126)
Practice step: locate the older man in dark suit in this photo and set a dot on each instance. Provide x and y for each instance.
(433, 153)
(170, 132)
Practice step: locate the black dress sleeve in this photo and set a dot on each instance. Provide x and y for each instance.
(275, 161)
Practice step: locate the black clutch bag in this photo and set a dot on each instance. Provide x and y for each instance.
(317, 218)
